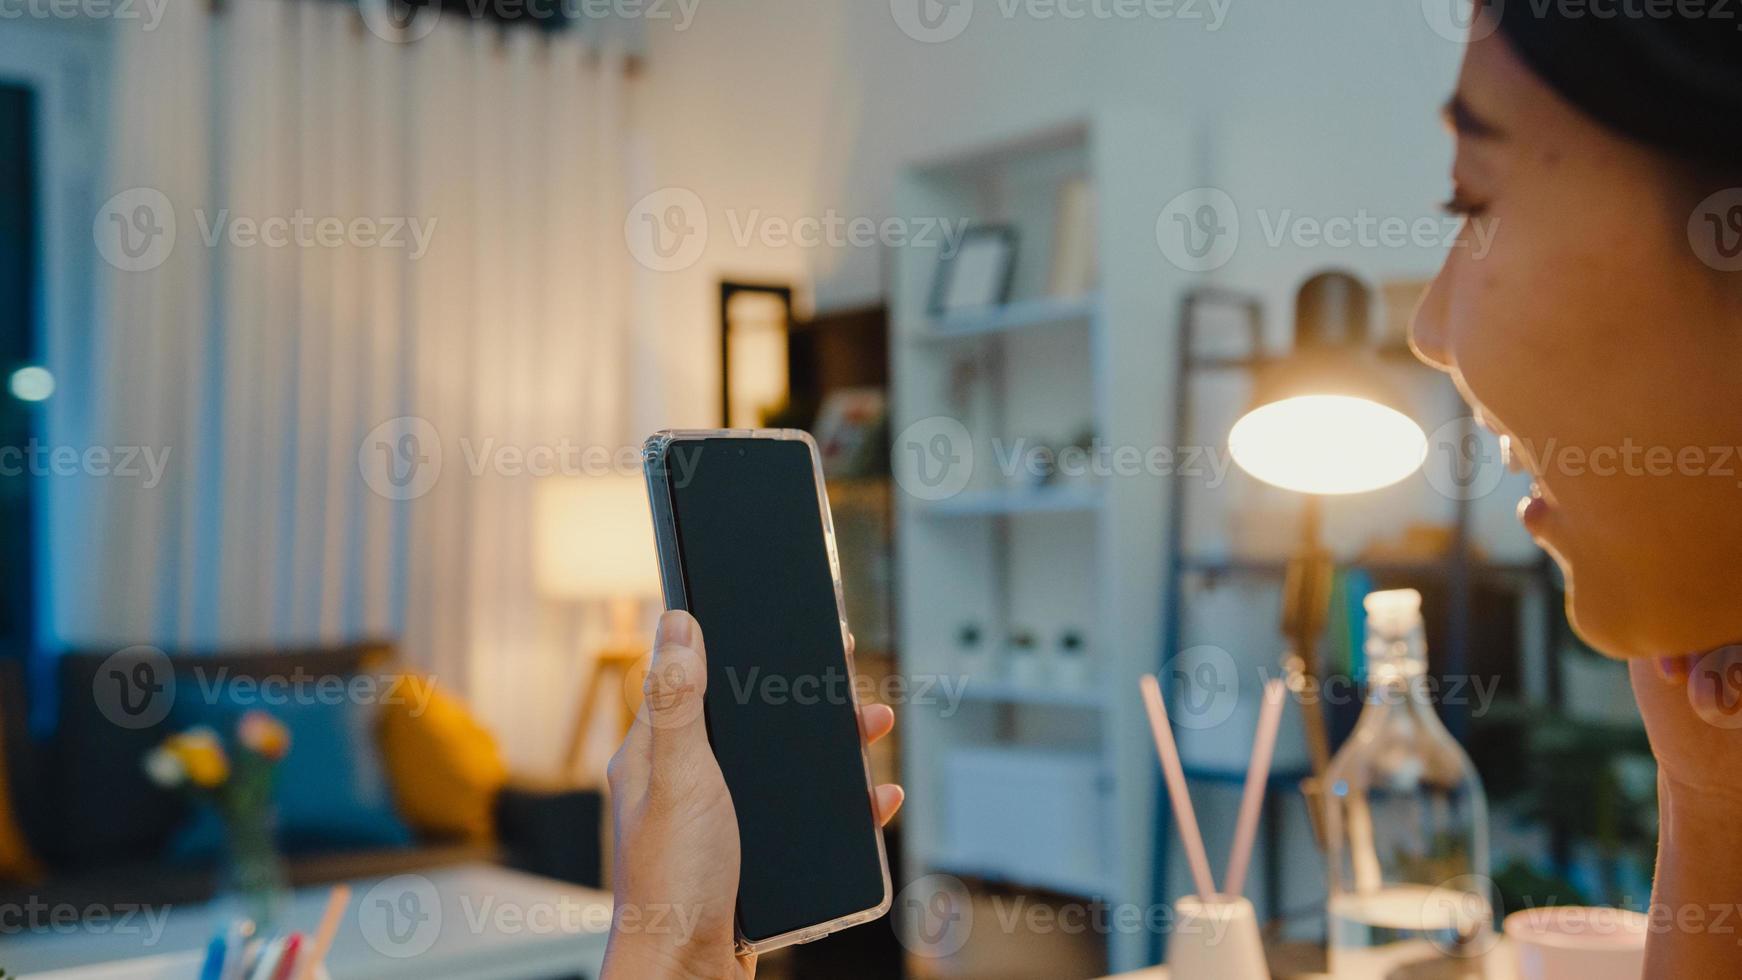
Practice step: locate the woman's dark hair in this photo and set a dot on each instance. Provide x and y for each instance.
(1667, 73)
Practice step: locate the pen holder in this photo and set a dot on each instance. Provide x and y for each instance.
(1215, 938)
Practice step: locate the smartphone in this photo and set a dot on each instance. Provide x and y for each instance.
(741, 520)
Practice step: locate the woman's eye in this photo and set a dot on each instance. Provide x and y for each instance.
(1460, 205)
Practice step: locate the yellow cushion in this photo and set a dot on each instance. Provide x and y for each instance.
(445, 767)
(16, 861)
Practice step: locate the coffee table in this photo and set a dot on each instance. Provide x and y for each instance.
(464, 922)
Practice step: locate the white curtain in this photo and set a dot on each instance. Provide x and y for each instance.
(266, 372)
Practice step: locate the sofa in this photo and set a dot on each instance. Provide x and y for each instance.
(102, 831)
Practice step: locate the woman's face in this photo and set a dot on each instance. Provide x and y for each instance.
(1593, 338)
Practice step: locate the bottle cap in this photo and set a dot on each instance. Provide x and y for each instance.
(1393, 611)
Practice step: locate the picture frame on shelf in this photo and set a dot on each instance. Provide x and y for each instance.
(850, 432)
(1223, 325)
(978, 273)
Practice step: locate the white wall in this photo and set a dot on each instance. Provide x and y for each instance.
(800, 107)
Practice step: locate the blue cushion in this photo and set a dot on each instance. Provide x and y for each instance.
(330, 793)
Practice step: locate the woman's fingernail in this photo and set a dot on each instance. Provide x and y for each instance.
(676, 628)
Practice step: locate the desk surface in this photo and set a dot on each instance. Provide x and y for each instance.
(473, 921)
(1499, 965)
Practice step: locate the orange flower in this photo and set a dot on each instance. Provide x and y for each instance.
(264, 735)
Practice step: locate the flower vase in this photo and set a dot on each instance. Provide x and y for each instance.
(254, 884)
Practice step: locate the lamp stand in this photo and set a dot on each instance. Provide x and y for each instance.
(1306, 597)
(616, 664)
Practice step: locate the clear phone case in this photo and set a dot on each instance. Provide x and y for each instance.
(655, 456)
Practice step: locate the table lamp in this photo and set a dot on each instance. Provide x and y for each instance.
(1323, 421)
(595, 546)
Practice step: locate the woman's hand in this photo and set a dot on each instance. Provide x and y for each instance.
(676, 858)
(1692, 708)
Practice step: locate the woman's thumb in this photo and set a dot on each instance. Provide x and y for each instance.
(677, 678)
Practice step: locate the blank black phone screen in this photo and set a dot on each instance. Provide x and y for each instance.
(780, 708)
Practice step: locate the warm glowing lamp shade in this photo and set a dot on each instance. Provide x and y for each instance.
(594, 538)
(1327, 444)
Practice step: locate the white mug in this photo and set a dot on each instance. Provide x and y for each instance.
(1571, 942)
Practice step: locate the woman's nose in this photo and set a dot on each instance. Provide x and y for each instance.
(1427, 328)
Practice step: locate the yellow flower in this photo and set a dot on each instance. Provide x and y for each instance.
(201, 756)
(264, 735)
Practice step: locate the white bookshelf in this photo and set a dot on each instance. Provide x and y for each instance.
(1046, 312)
(994, 503)
(1006, 556)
